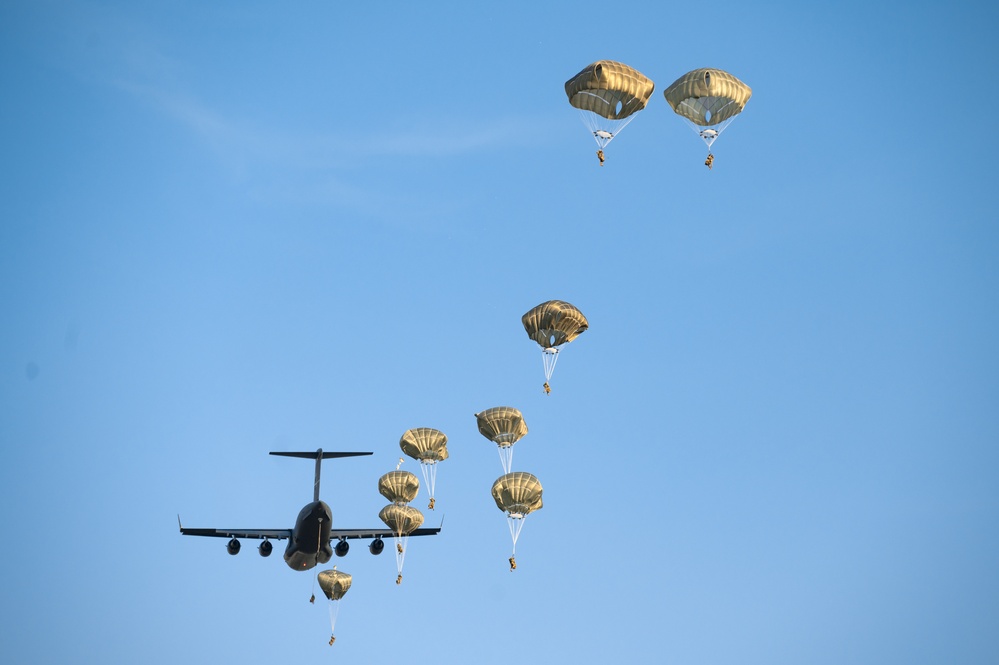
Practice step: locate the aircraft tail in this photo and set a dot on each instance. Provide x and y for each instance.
(319, 456)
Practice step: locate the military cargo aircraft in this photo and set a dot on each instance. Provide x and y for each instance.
(310, 542)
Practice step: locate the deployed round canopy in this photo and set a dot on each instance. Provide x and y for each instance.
(707, 96)
(399, 486)
(610, 89)
(425, 444)
(403, 520)
(517, 494)
(553, 323)
(608, 94)
(708, 100)
(504, 425)
(334, 583)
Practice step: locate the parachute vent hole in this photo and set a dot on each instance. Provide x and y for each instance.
(618, 108)
(707, 114)
(551, 340)
(707, 78)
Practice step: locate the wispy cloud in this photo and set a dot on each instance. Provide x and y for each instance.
(247, 140)
(322, 164)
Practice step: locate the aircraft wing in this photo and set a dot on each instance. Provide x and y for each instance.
(276, 534)
(346, 534)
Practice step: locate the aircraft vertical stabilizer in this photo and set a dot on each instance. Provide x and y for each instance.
(319, 456)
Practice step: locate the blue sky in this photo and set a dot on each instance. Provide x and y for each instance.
(238, 228)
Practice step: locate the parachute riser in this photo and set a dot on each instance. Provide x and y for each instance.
(430, 479)
(549, 357)
(400, 552)
(516, 525)
(506, 457)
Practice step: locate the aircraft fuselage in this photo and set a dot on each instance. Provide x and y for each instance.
(309, 544)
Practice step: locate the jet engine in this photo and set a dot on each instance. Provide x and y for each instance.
(233, 547)
(265, 548)
(376, 546)
(342, 548)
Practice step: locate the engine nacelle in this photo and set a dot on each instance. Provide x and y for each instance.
(233, 547)
(376, 546)
(342, 548)
(266, 548)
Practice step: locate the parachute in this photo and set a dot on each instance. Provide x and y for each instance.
(708, 100)
(608, 94)
(552, 324)
(517, 494)
(399, 487)
(429, 446)
(403, 520)
(505, 426)
(334, 584)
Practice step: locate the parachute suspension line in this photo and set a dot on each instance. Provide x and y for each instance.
(506, 457)
(550, 357)
(334, 612)
(400, 554)
(430, 478)
(319, 543)
(709, 134)
(603, 129)
(515, 524)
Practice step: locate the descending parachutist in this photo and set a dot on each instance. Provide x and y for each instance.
(332, 640)
(548, 388)
(313, 599)
(517, 494)
(608, 94)
(398, 580)
(429, 447)
(710, 160)
(398, 547)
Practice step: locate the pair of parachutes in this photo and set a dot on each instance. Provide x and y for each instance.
(516, 493)
(609, 94)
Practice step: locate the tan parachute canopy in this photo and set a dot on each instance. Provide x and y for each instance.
(334, 583)
(517, 494)
(554, 323)
(610, 89)
(429, 446)
(425, 444)
(503, 425)
(399, 487)
(403, 520)
(708, 97)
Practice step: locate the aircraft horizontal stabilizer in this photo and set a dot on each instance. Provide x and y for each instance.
(319, 454)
